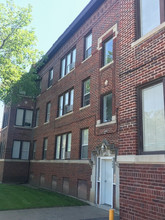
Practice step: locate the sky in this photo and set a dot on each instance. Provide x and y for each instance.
(50, 19)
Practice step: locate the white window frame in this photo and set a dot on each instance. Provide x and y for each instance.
(84, 143)
(66, 101)
(63, 146)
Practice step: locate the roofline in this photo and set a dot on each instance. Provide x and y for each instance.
(92, 6)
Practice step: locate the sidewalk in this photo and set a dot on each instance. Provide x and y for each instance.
(58, 213)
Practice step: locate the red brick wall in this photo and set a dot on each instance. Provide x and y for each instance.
(142, 187)
(16, 172)
(100, 22)
(142, 192)
(73, 172)
(1, 170)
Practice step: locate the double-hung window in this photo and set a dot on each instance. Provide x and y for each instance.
(68, 63)
(88, 46)
(5, 119)
(152, 118)
(63, 146)
(84, 143)
(21, 150)
(45, 147)
(86, 92)
(50, 79)
(66, 103)
(107, 51)
(37, 117)
(151, 13)
(107, 108)
(47, 116)
(24, 117)
(34, 149)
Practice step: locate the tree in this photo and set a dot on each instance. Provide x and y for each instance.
(17, 52)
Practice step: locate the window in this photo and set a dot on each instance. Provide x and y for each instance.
(152, 120)
(107, 51)
(2, 148)
(34, 149)
(5, 119)
(45, 147)
(47, 117)
(88, 46)
(84, 143)
(86, 92)
(24, 117)
(151, 13)
(68, 63)
(50, 79)
(63, 146)
(37, 117)
(107, 108)
(21, 150)
(66, 103)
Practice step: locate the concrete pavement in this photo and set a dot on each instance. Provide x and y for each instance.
(57, 213)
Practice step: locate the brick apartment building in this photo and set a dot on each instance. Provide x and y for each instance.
(97, 129)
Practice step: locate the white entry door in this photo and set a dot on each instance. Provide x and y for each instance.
(106, 182)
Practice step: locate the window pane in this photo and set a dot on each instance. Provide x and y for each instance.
(153, 117)
(19, 117)
(63, 68)
(67, 98)
(86, 95)
(58, 147)
(48, 112)
(45, 144)
(61, 106)
(68, 63)
(71, 96)
(107, 108)
(108, 51)
(51, 75)
(88, 41)
(25, 150)
(63, 146)
(84, 152)
(74, 57)
(85, 137)
(28, 118)
(37, 117)
(69, 142)
(34, 149)
(87, 86)
(150, 15)
(16, 149)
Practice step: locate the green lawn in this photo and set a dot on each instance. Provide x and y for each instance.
(22, 197)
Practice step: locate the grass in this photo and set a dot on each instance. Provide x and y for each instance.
(22, 197)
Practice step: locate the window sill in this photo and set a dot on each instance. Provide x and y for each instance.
(22, 127)
(84, 107)
(85, 161)
(64, 115)
(49, 87)
(141, 159)
(35, 127)
(148, 35)
(66, 75)
(86, 59)
(106, 66)
(47, 122)
(4, 128)
(99, 124)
